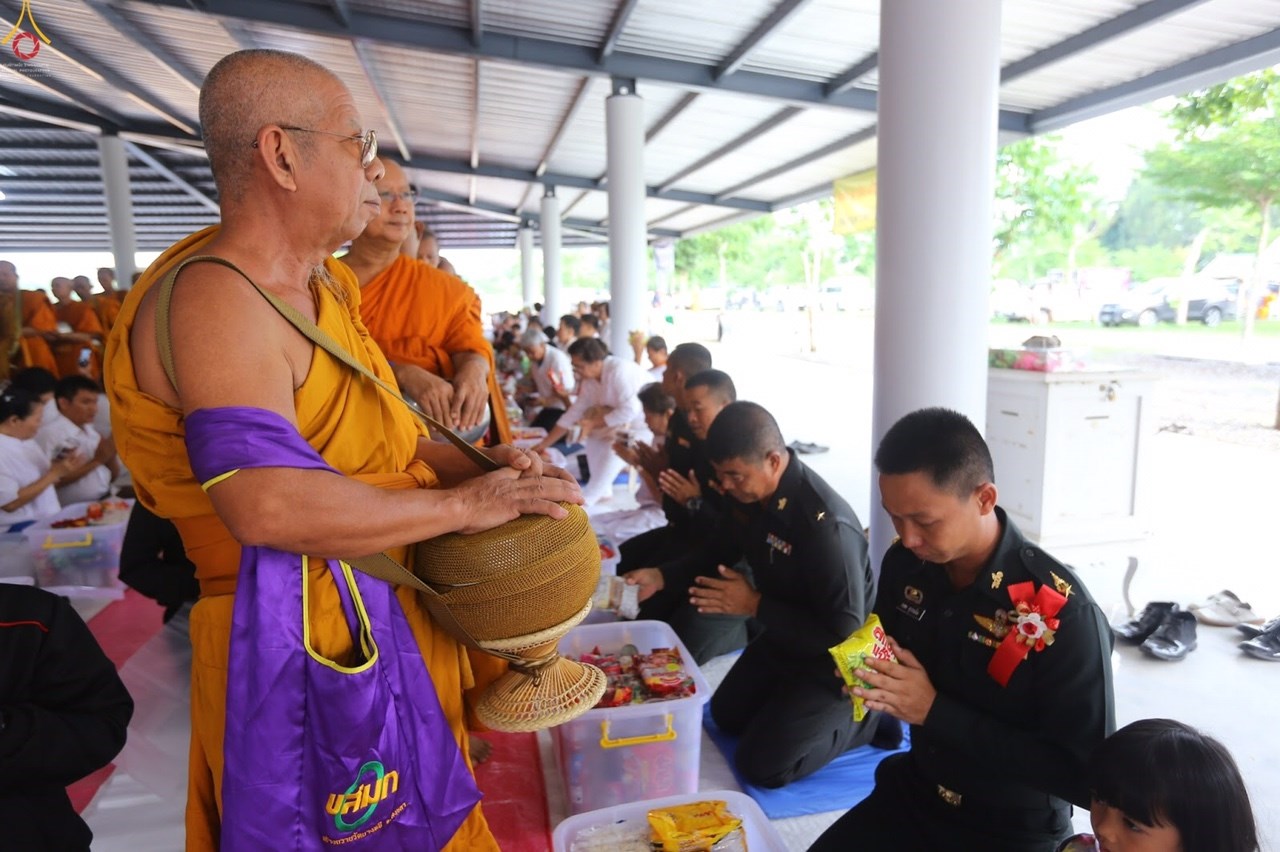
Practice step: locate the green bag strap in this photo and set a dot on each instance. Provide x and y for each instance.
(377, 565)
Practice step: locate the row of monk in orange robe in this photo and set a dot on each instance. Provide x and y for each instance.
(63, 336)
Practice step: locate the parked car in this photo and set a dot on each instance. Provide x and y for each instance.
(1208, 301)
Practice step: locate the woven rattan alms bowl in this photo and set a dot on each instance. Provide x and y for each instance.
(516, 590)
(519, 579)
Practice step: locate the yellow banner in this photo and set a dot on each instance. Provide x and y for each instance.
(855, 203)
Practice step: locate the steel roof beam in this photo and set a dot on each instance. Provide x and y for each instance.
(579, 98)
(173, 177)
(83, 120)
(856, 71)
(477, 21)
(620, 18)
(475, 118)
(773, 122)
(514, 215)
(128, 29)
(94, 114)
(1208, 69)
(108, 75)
(825, 151)
(375, 84)
(544, 53)
(1137, 17)
(771, 24)
(669, 116)
(341, 11)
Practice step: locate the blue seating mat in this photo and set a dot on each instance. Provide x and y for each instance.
(838, 786)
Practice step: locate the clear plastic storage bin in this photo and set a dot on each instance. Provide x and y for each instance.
(613, 755)
(77, 561)
(761, 836)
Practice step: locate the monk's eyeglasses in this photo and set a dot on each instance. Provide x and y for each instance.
(392, 197)
(368, 142)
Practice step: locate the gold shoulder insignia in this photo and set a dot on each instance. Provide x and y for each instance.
(821, 515)
(1063, 587)
(997, 577)
(782, 503)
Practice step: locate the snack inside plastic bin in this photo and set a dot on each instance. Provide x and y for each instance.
(80, 561)
(611, 755)
(609, 828)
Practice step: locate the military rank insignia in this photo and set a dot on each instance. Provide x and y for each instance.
(1063, 587)
(778, 544)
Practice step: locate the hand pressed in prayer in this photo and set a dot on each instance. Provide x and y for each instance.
(470, 393)
(732, 595)
(682, 489)
(901, 689)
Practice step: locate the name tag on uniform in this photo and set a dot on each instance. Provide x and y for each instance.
(778, 544)
(911, 603)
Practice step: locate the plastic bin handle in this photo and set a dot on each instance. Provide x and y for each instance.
(86, 542)
(662, 737)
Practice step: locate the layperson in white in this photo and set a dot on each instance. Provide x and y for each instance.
(27, 476)
(72, 429)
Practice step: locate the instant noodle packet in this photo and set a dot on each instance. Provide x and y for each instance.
(697, 827)
(869, 640)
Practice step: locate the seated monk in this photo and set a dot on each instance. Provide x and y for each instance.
(77, 351)
(295, 175)
(426, 322)
(105, 304)
(27, 324)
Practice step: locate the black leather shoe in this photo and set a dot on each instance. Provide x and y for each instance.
(1145, 622)
(1253, 631)
(1174, 638)
(1264, 647)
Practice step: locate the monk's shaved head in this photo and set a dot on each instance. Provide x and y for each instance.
(61, 288)
(247, 90)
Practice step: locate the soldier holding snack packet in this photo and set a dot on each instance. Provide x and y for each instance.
(1003, 662)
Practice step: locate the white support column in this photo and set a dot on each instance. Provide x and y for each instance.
(939, 83)
(628, 249)
(552, 310)
(115, 179)
(528, 289)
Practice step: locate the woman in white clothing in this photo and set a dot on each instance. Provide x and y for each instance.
(27, 476)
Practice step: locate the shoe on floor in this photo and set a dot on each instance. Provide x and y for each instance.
(1252, 631)
(1225, 609)
(1145, 622)
(1174, 638)
(1264, 647)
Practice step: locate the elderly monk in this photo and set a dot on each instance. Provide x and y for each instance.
(77, 351)
(426, 321)
(295, 174)
(27, 324)
(105, 304)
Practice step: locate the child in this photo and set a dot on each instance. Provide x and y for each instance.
(1162, 786)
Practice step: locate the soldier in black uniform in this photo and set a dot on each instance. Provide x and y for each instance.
(804, 578)
(1001, 729)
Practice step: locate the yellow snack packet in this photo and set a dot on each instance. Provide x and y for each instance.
(696, 827)
(869, 640)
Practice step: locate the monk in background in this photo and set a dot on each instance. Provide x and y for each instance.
(295, 175)
(105, 304)
(27, 324)
(426, 322)
(77, 351)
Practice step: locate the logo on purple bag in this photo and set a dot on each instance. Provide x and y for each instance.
(355, 807)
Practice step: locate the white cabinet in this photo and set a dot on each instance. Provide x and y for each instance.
(1067, 449)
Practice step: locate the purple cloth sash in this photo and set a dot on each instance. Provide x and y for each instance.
(318, 756)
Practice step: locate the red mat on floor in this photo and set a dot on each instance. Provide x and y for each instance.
(121, 628)
(515, 797)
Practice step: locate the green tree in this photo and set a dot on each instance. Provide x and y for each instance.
(1227, 156)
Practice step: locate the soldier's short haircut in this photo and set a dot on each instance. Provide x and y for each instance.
(655, 400)
(589, 349)
(940, 443)
(716, 382)
(689, 358)
(746, 431)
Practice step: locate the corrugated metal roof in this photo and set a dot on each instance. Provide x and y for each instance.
(749, 104)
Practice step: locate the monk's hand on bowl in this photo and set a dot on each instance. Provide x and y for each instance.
(505, 494)
(649, 580)
(470, 394)
(433, 393)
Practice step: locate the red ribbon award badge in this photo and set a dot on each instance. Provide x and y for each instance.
(1032, 627)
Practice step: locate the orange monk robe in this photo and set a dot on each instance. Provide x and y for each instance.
(35, 313)
(81, 318)
(422, 316)
(359, 430)
(107, 307)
